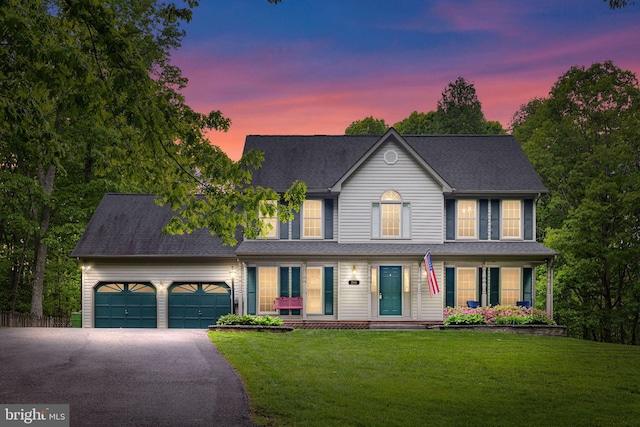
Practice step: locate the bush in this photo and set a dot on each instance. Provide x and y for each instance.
(496, 315)
(541, 319)
(465, 319)
(512, 320)
(248, 319)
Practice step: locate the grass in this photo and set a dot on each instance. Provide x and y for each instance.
(434, 378)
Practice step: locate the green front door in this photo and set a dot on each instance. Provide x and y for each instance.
(390, 291)
(198, 305)
(125, 305)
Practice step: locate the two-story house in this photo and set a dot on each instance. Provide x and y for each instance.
(355, 254)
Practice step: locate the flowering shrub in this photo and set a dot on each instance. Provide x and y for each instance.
(496, 315)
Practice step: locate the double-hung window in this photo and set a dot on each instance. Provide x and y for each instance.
(390, 217)
(466, 286)
(312, 219)
(269, 220)
(511, 219)
(510, 286)
(314, 290)
(467, 219)
(267, 288)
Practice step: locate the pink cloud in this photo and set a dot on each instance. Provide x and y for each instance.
(294, 89)
(482, 15)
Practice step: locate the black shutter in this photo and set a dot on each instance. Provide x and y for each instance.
(484, 219)
(328, 290)
(527, 284)
(450, 284)
(251, 290)
(528, 219)
(328, 218)
(495, 219)
(451, 219)
(284, 286)
(295, 226)
(295, 285)
(494, 294)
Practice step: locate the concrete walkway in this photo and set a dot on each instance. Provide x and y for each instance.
(122, 377)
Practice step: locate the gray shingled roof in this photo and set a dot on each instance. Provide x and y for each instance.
(532, 250)
(468, 163)
(131, 225)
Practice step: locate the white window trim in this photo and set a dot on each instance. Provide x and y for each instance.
(321, 269)
(457, 284)
(259, 288)
(520, 235)
(274, 232)
(502, 288)
(475, 228)
(404, 225)
(321, 236)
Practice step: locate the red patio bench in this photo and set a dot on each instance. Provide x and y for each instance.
(288, 303)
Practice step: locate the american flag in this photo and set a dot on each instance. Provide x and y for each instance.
(434, 289)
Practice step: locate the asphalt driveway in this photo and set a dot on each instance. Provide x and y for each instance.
(122, 377)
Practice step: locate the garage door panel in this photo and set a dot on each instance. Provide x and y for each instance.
(192, 312)
(194, 305)
(193, 299)
(208, 312)
(208, 299)
(125, 305)
(118, 299)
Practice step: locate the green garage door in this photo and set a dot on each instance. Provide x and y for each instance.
(125, 305)
(198, 305)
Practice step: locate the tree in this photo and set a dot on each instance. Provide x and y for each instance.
(584, 141)
(494, 127)
(367, 126)
(619, 4)
(459, 110)
(89, 100)
(418, 124)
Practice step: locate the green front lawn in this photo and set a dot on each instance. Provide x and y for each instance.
(433, 378)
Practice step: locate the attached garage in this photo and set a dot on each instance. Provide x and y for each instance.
(125, 305)
(198, 305)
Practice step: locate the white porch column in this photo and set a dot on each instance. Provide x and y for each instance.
(419, 290)
(483, 296)
(303, 284)
(549, 305)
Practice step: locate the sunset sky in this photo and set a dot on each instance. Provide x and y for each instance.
(314, 66)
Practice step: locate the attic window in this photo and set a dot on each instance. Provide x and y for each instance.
(390, 157)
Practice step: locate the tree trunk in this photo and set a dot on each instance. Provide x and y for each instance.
(46, 181)
(17, 269)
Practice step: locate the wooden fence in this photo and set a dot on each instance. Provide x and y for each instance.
(11, 319)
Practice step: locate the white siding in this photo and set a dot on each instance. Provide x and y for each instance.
(431, 308)
(353, 300)
(408, 178)
(161, 275)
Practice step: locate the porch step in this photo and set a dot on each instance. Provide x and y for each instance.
(396, 326)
